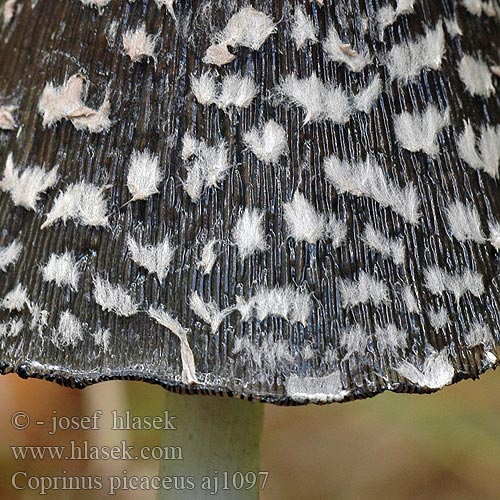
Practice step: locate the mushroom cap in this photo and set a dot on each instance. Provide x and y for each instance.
(288, 203)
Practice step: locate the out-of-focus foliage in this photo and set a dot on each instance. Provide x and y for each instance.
(442, 446)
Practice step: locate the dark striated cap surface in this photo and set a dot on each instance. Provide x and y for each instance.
(285, 201)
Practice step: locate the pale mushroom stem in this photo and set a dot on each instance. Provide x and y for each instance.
(219, 439)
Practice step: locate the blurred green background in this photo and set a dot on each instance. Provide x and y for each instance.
(440, 446)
